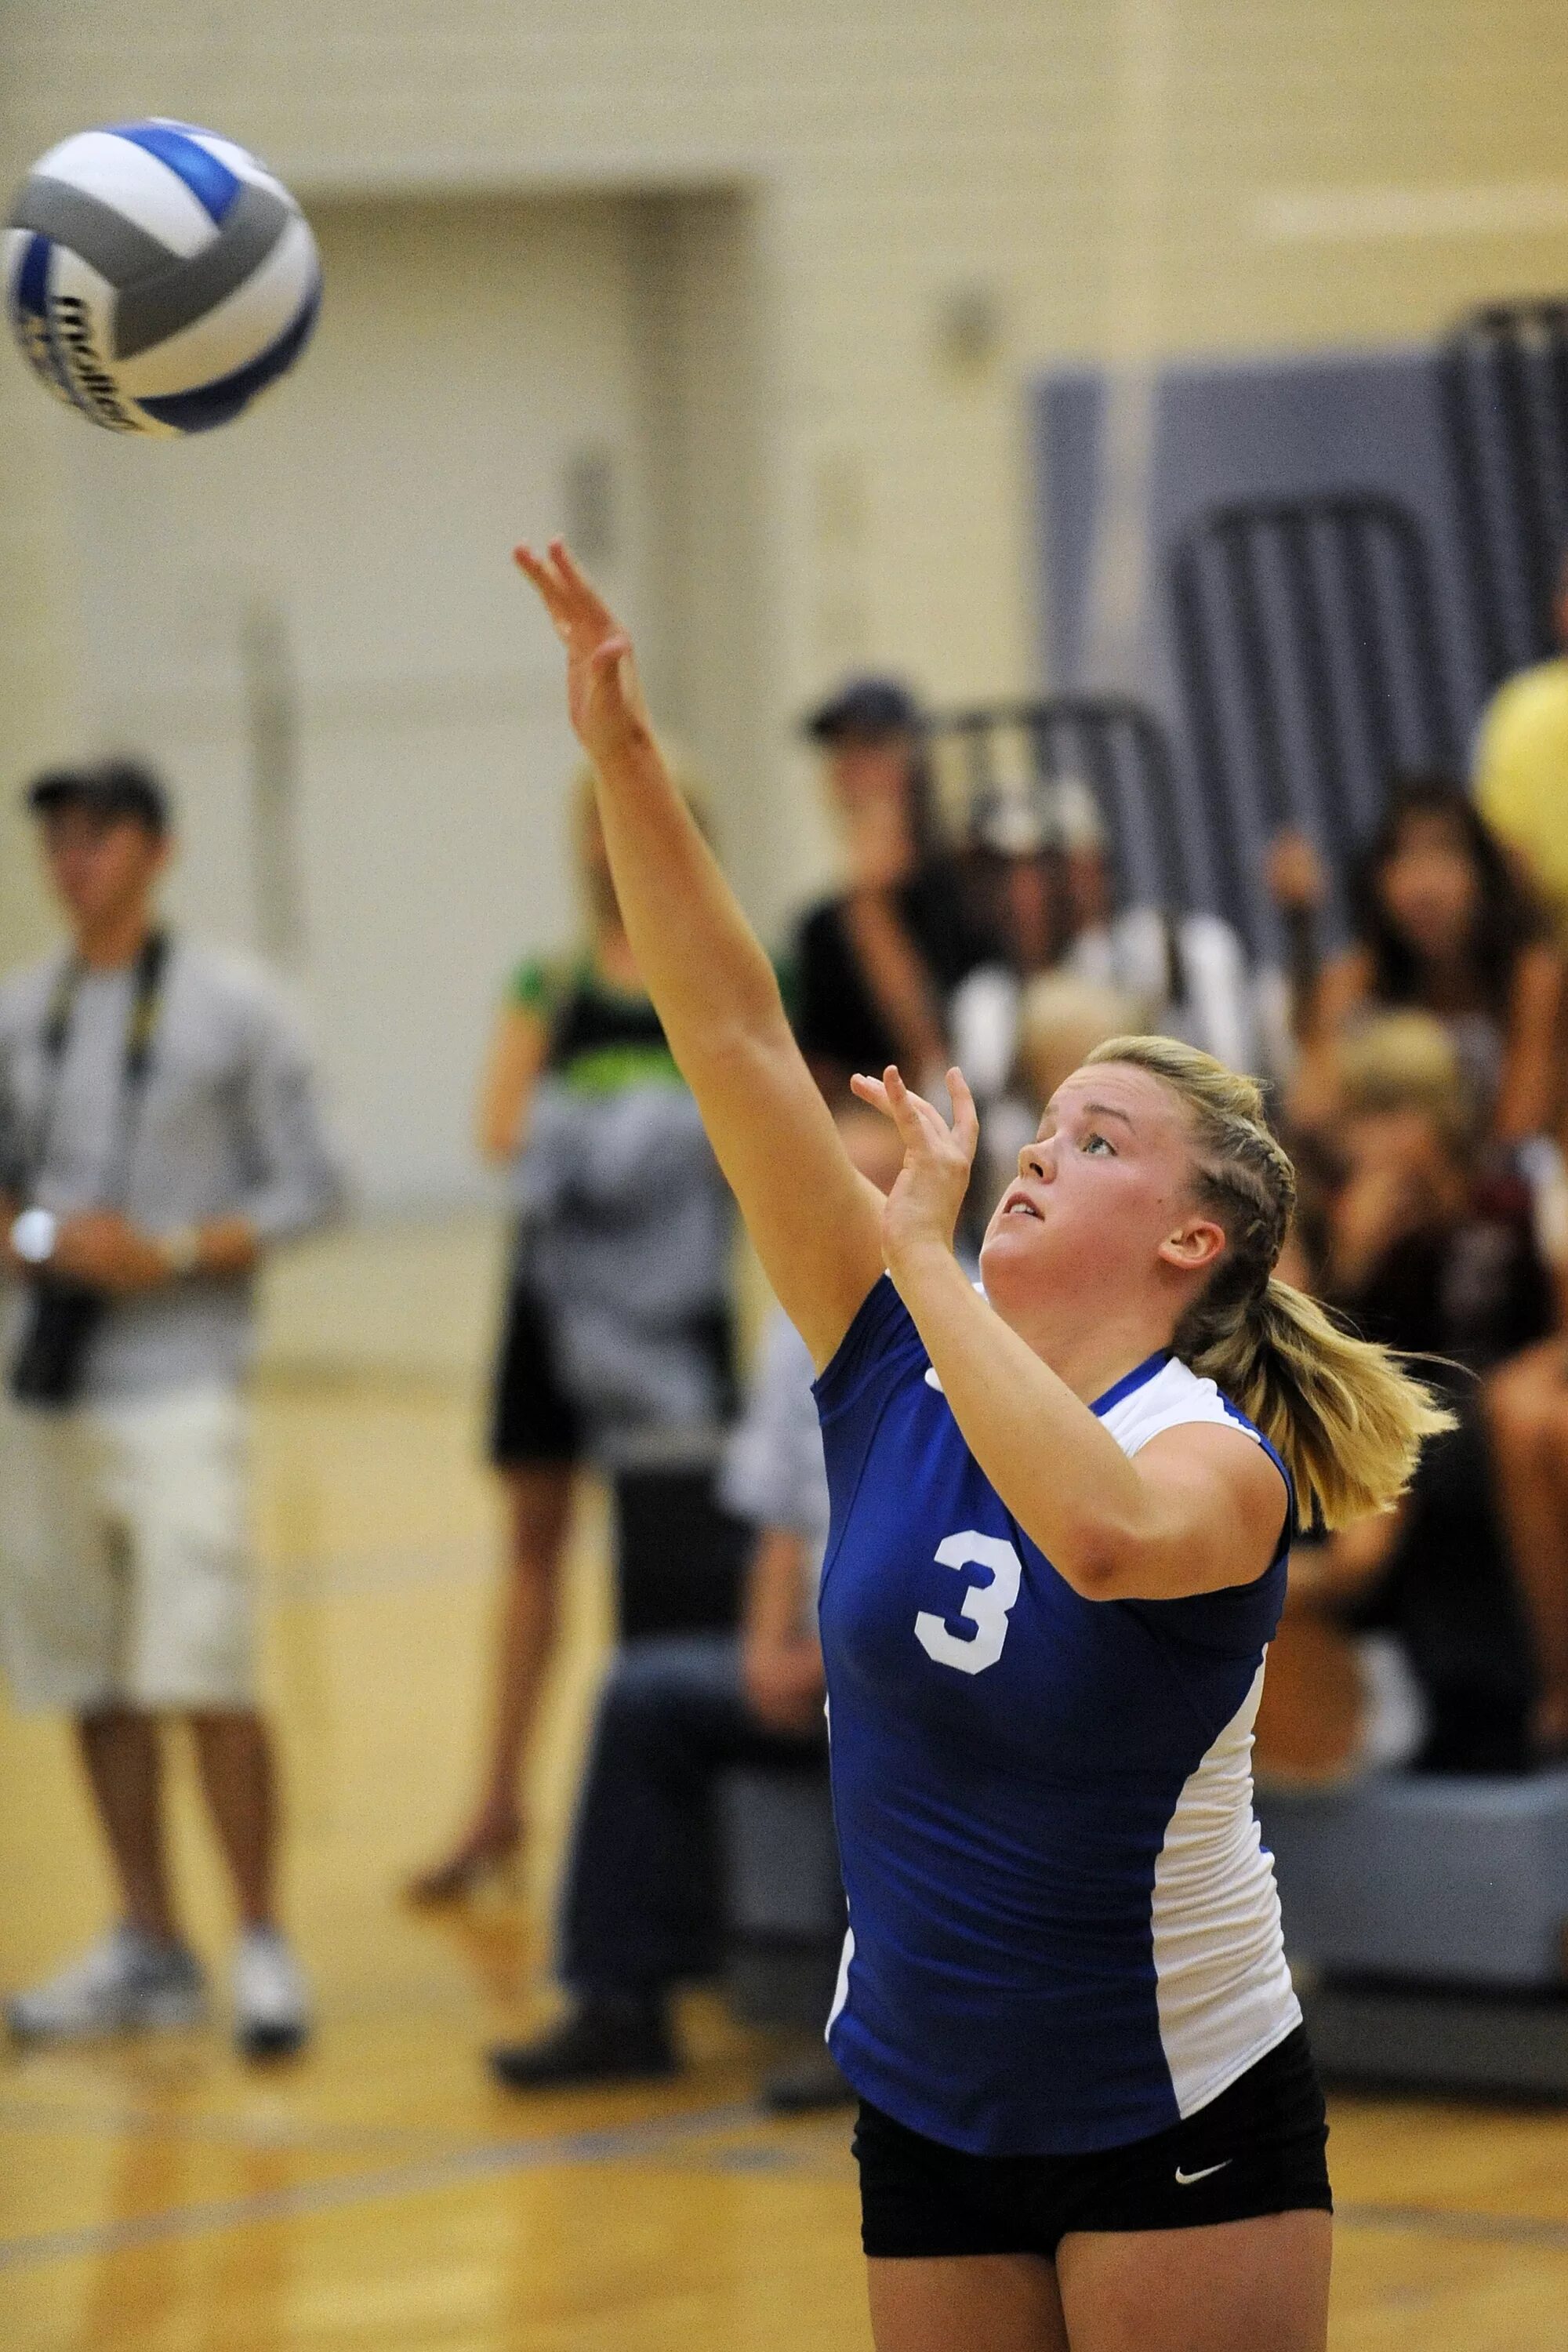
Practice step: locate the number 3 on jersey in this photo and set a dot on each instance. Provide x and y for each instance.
(984, 1605)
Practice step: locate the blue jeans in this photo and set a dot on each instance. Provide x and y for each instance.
(643, 1905)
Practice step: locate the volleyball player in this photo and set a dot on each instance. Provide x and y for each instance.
(1060, 1517)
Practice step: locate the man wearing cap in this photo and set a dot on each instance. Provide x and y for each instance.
(158, 1133)
(873, 967)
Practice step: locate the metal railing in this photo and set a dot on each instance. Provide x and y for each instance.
(1312, 670)
(1503, 374)
(1025, 751)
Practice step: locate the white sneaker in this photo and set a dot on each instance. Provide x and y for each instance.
(126, 1983)
(271, 2000)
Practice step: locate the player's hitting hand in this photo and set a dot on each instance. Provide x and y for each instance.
(603, 698)
(922, 1208)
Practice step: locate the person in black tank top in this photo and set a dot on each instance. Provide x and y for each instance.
(873, 967)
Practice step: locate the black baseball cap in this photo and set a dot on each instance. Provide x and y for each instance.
(865, 710)
(109, 787)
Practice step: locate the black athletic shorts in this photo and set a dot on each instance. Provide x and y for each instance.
(532, 1420)
(1258, 2148)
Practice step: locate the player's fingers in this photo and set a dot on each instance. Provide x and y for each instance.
(904, 1106)
(932, 1123)
(551, 595)
(888, 1095)
(584, 593)
(544, 581)
(965, 1118)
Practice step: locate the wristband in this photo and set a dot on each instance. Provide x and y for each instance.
(33, 1236)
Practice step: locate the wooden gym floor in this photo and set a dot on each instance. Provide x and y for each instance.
(159, 2196)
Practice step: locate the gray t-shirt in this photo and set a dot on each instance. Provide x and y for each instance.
(773, 1471)
(228, 1125)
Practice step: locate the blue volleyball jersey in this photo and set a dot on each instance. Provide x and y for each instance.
(1064, 1932)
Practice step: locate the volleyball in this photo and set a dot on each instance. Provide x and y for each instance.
(157, 277)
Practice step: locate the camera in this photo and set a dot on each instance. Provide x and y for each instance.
(59, 1320)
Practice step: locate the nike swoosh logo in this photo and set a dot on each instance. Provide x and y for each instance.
(932, 1381)
(1185, 2179)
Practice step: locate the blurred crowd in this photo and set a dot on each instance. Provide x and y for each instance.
(1410, 1028)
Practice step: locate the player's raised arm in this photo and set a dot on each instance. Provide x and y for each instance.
(814, 1221)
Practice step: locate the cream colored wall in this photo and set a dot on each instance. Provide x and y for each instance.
(1123, 176)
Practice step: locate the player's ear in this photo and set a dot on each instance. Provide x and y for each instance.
(1194, 1244)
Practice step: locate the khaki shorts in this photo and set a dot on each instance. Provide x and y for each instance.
(125, 1570)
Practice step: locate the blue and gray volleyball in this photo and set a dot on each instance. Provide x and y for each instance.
(157, 277)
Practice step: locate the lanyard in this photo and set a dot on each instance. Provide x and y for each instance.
(146, 1005)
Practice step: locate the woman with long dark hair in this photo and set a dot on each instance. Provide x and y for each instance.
(1443, 923)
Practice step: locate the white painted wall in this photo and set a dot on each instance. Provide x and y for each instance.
(469, 356)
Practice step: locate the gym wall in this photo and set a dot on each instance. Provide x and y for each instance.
(843, 237)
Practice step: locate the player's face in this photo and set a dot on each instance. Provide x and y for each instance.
(1104, 1185)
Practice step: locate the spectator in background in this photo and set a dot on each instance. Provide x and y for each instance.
(642, 1905)
(1189, 972)
(873, 967)
(1429, 1249)
(158, 1136)
(1018, 883)
(617, 1329)
(1040, 871)
(1521, 765)
(1055, 1021)
(1527, 1414)
(1015, 879)
(1441, 924)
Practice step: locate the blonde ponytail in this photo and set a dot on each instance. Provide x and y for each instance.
(1344, 1415)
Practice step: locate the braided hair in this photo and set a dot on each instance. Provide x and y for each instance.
(1344, 1415)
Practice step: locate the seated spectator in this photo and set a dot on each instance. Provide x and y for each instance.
(1429, 1596)
(1427, 1249)
(1521, 765)
(1041, 877)
(1526, 1404)
(873, 967)
(1443, 925)
(1015, 874)
(642, 1905)
(1055, 1022)
(1190, 972)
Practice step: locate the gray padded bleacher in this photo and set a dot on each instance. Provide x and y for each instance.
(1426, 1917)
(1445, 1881)
(784, 1904)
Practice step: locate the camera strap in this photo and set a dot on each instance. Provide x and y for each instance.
(140, 1029)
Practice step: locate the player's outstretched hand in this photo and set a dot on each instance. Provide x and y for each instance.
(923, 1205)
(603, 698)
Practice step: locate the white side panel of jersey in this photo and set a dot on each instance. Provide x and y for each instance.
(841, 1989)
(1171, 1396)
(1223, 1990)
